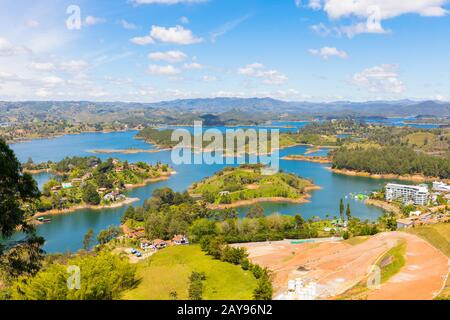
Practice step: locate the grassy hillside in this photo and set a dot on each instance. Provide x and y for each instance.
(169, 270)
(247, 183)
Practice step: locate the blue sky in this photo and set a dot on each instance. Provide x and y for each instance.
(152, 50)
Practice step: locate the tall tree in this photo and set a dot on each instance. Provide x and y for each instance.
(341, 210)
(17, 192)
(87, 240)
(348, 212)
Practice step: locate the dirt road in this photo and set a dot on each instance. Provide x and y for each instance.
(337, 266)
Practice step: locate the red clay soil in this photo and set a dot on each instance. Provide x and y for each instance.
(422, 276)
(337, 266)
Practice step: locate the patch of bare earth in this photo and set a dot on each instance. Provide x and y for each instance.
(337, 266)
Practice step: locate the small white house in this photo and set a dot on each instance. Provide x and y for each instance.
(415, 214)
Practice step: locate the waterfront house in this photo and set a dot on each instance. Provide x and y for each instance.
(145, 244)
(180, 240)
(159, 244)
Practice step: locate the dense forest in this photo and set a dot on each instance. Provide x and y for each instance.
(399, 160)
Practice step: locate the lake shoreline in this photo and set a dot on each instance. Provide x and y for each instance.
(386, 206)
(415, 178)
(307, 159)
(54, 212)
(127, 201)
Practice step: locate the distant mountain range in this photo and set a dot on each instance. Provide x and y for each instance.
(255, 109)
(370, 108)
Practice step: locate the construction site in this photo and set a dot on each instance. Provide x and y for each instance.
(329, 268)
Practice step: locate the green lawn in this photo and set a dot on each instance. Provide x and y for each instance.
(392, 261)
(169, 270)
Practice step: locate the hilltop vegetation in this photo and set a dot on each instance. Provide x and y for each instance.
(378, 149)
(160, 138)
(247, 182)
(91, 181)
(391, 160)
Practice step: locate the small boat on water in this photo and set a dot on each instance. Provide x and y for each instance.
(44, 220)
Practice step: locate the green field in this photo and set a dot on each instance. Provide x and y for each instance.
(169, 270)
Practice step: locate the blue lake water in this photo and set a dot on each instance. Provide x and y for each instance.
(65, 232)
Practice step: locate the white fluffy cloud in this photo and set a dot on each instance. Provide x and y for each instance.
(368, 15)
(73, 65)
(69, 65)
(168, 70)
(386, 9)
(91, 20)
(327, 52)
(43, 66)
(379, 79)
(258, 70)
(192, 66)
(9, 49)
(175, 35)
(173, 56)
(142, 41)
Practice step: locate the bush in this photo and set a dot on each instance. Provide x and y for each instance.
(196, 285)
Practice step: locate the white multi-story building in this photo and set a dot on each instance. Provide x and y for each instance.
(441, 187)
(417, 194)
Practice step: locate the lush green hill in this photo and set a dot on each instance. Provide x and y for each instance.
(168, 271)
(247, 183)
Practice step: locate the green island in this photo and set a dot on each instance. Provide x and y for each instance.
(248, 184)
(80, 182)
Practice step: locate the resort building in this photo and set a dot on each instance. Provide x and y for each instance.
(441, 187)
(417, 194)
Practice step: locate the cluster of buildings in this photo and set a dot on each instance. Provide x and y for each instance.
(419, 195)
(157, 244)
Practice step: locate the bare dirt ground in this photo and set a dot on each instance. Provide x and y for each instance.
(337, 266)
(421, 278)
